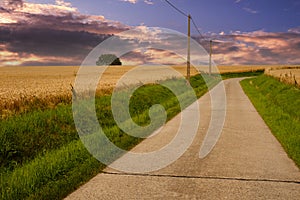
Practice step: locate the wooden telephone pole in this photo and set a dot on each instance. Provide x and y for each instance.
(210, 54)
(188, 72)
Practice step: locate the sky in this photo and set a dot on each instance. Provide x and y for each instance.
(58, 32)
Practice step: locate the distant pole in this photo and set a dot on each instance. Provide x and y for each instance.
(188, 72)
(210, 54)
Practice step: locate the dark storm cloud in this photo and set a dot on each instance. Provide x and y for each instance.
(72, 22)
(49, 42)
(45, 31)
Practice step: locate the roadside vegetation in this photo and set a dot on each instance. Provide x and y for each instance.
(242, 74)
(41, 156)
(279, 105)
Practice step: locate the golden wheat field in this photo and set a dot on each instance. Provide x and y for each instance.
(286, 74)
(23, 87)
(19, 84)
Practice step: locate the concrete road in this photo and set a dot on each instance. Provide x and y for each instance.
(246, 163)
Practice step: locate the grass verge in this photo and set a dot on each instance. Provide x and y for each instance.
(279, 106)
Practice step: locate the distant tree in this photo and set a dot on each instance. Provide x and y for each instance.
(108, 59)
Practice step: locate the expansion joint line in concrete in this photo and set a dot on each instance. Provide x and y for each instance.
(204, 177)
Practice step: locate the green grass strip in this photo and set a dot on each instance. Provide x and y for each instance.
(279, 106)
(241, 74)
(45, 176)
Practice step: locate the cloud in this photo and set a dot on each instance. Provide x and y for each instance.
(130, 1)
(62, 16)
(294, 30)
(48, 34)
(152, 56)
(58, 34)
(11, 4)
(249, 10)
(63, 3)
(69, 46)
(258, 47)
(237, 1)
(149, 2)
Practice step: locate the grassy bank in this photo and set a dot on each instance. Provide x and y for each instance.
(279, 106)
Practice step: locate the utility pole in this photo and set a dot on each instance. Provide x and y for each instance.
(188, 72)
(210, 54)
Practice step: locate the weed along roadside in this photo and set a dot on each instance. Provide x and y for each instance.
(42, 156)
(279, 105)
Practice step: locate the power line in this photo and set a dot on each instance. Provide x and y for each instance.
(184, 14)
(196, 27)
(189, 38)
(180, 11)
